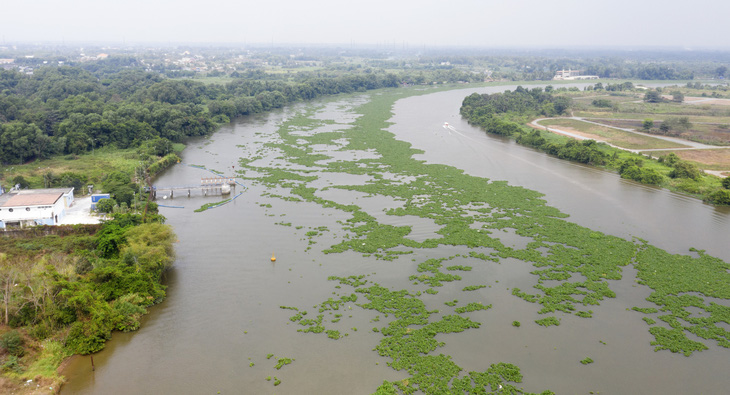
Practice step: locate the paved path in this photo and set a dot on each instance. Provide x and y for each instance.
(80, 213)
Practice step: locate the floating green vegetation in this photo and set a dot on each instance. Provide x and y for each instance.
(409, 341)
(680, 282)
(574, 267)
(451, 303)
(474, 306)
(460, 267)
(276, 381)
(548, 321)
(436, 278)
(282, 362)
(516, 324)
(586, 361)
(209, 205)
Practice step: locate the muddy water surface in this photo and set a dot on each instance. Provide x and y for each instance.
(223, 314)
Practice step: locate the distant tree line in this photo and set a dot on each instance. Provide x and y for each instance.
(68, 110)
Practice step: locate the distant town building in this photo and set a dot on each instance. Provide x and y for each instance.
(31, 207)
(7, 64)
(572, 75)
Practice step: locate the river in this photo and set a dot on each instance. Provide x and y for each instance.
(222, 316)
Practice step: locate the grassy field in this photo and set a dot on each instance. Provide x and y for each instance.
(600, 113)
(95, 166)
(705, 109)
(616, 137)
(707, 133)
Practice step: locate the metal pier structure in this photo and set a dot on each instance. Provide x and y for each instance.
(208, 186)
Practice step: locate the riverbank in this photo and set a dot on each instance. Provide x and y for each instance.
(626, 151)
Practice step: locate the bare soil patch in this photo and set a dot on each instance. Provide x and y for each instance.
(710, 159)
(704, 100)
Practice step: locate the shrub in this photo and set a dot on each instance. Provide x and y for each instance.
(12, 342)
(603, 103)
(20, 180)
(11, 365)
(722, 196)
(684, 169)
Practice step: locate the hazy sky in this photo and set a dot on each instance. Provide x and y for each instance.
(488, 23)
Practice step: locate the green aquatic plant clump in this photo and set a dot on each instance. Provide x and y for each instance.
(548, 321)
(472, 307)
(283, 362)
(209, 205)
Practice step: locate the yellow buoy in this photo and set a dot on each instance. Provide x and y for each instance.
(273, 258)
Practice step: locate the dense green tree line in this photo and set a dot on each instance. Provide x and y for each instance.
(67, 110)
(494, 112)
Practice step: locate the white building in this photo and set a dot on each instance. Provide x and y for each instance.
(30, 207)
(570, 75)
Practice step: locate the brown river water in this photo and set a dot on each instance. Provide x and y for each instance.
(222, 310)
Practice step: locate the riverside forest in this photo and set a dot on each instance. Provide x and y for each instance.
(393, 260)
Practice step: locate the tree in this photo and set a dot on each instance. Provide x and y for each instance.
(648, 124)
(120, 186)
(721, 71)
(105, 205)
(8, 276)
(677, 96)
(548, 109)
(670, 159)
(603, 103)
(653, 96)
